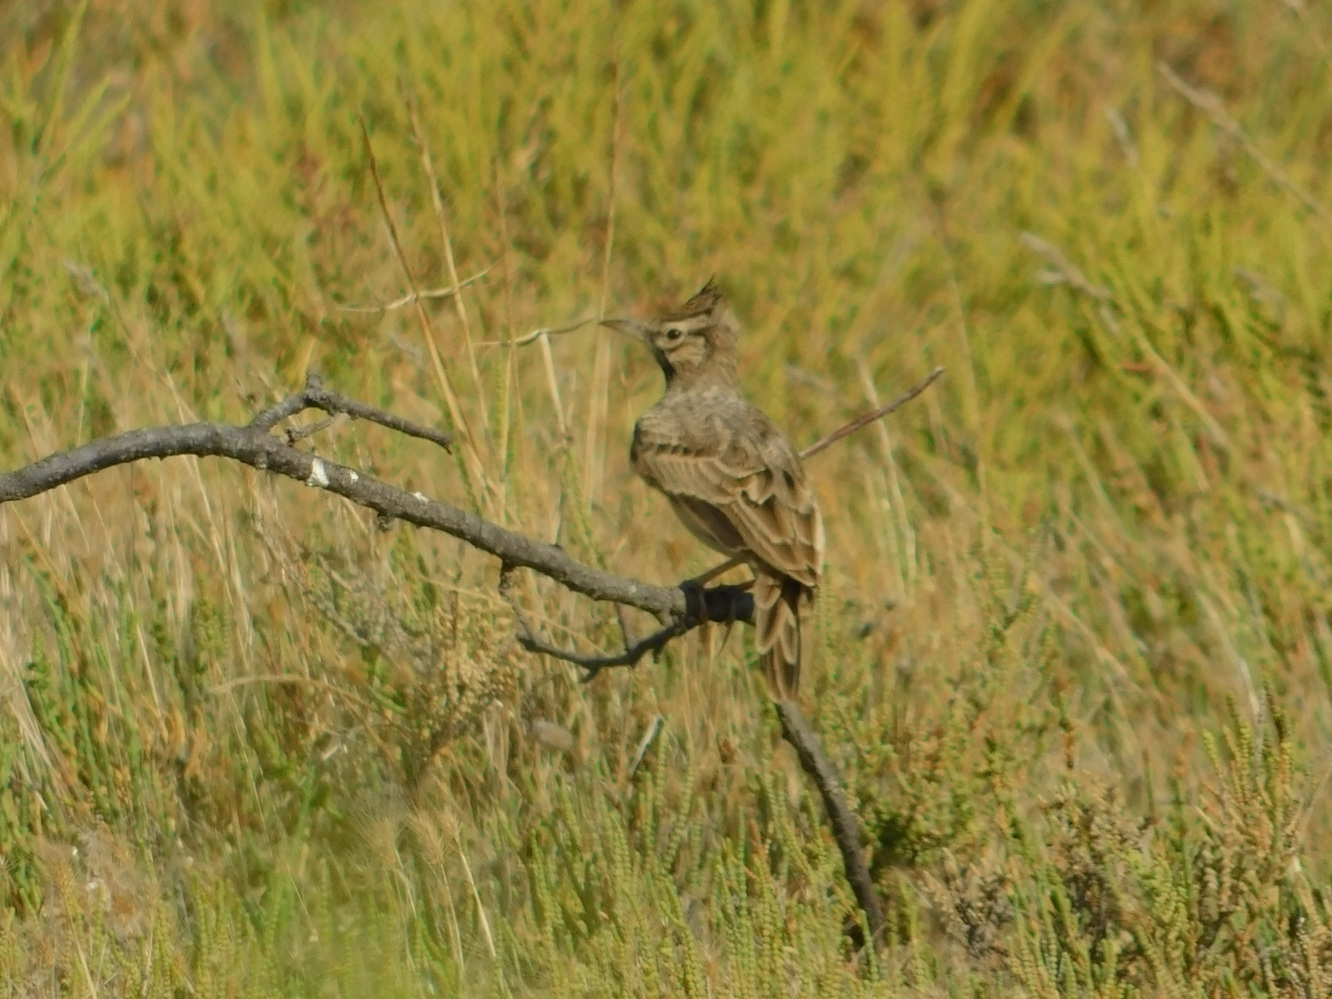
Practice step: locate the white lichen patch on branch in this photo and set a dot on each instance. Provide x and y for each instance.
(318, 474)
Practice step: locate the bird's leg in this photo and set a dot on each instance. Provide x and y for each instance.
(695, 600)
(713, 573)
(696, 608)
(703, 604)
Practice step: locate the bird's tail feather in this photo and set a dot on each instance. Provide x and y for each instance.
(780, 604)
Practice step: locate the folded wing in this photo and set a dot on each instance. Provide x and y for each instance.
(750, 494)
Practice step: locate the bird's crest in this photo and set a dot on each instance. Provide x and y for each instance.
(708, 299)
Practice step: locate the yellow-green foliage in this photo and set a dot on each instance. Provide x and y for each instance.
(1075, 657)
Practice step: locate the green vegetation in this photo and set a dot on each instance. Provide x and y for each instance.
(1076, 655)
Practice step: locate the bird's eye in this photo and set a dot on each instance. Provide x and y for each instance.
(674, 333)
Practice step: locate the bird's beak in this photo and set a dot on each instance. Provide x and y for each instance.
(629, 326)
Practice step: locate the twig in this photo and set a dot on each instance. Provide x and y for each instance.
(846, 430)
(846, 828)
(860, 422)
(536, 335)
(413, 297)
(594, 664)
(718, 604)
(297, 434)
(717, 570)
(626, 629)
(315, 396)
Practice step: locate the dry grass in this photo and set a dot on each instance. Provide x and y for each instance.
(1076, 653)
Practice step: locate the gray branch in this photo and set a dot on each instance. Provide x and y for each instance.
(253, 445)
(846, 828)
(679, 608)
(315, 396)
(717, 603)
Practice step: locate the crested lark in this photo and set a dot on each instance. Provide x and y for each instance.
(731, 476)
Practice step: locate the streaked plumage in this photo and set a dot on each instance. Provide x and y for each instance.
(731, 475)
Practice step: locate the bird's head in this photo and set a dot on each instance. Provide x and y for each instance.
(694, 343)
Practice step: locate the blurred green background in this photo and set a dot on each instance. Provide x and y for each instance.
(1075, 658)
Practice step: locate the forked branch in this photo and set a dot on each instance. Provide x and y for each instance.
(718, 603)
(679, 608)
(256, 446)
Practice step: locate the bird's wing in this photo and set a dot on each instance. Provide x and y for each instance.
(741, 481)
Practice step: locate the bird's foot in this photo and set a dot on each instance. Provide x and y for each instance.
(696, 607)
(719, 603)
(715, 571)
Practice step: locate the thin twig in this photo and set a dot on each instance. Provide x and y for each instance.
(626, 629)
(536, 334)
(416, 296)
(731, 563)
(295, 435)
(846, 430)
(315, 396)
(595, 663)
(718, 604)
(334, 402)
(860, 422)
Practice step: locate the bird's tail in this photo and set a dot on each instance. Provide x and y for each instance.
(780, 604)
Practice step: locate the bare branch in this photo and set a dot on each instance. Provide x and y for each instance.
(413, 297)
(720, 604)
(846, 828)
(296, 434)
(333, 402)
(860, 422)
(279, 411)
(536, 334)
(315, 396)
(681, 609)
(254, 447)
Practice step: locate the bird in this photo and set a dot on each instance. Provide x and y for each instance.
(731, 475)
